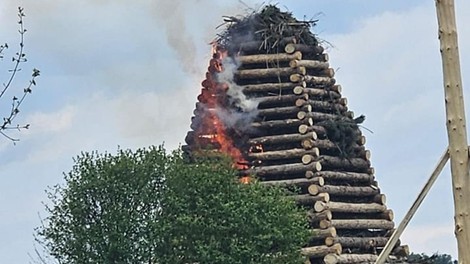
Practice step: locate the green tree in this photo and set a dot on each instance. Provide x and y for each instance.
(436, 258)
(148, 206)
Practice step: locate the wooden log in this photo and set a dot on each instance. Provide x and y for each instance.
(315, 217)
(309, 64)
(283, 111)
(356, 164)
(317, 116)
(295, 182)
(323, 233)
(342, 176)
(362, 224)
(319, 93)
(307, 199)
(349, 258)
(286, 169)
(379, 198)
(283, 154)
(273, 124)
(269, 73)
(315, 49)
(320, 251)
(322, 106)
(343, 190)
(309, 79)
(319, 130)
(359, 208)
(269, 58)
(270, 101)
(309, 158)
(324, 224)
(282, 139)
(257, 45)
(401, 251)
(270, 87)
(329, 146)
(357, 242)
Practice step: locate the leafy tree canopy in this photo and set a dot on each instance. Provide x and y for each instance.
(148, 206)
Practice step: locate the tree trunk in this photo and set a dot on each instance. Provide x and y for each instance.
(268, 58)
(362, 224)
(320, 251)
(359, 208)
(268, 73)
(343, 190)
(456, 125)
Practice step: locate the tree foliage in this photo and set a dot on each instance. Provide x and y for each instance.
(17, 60)
(435, 258)
(148, 206)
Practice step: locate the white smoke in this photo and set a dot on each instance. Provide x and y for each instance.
(235, 92)
(242, 110)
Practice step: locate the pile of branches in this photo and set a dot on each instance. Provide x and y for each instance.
(269, 26)
(344, 132)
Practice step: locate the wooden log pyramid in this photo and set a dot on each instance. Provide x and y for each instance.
(300, 134)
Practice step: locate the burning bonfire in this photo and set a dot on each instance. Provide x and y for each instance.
(270, 102)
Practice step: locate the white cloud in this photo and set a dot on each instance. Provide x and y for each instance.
(430, 239)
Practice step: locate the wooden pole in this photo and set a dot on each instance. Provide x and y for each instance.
(456, 125)
(397, 233)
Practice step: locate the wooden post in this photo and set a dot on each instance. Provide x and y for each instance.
(456, 125)
(397, 233)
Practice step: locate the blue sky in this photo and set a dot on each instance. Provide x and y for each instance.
(127, 73)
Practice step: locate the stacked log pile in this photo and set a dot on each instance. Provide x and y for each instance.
(303, 138)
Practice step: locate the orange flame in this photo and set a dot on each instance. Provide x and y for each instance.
(212, 95)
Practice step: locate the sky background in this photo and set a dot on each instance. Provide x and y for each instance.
(127, 73)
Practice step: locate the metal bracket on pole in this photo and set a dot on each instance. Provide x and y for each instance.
(396, 235)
